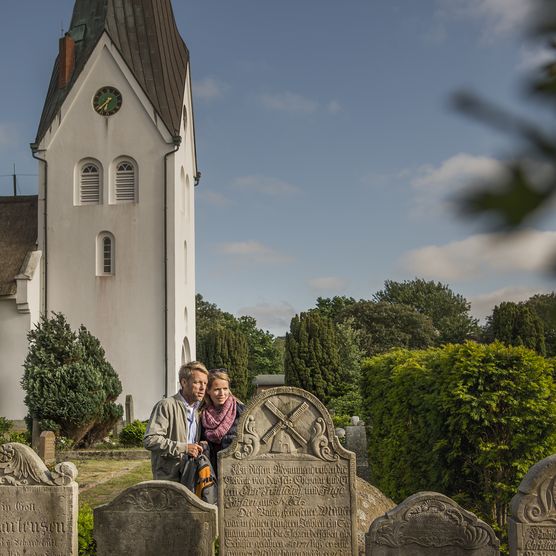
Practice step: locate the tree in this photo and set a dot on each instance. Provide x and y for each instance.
(332, 307)
(516, 324)
(227, 348)
(68, 384)
(448, 311)
(312, 360)
(383, 326)
(544, 306)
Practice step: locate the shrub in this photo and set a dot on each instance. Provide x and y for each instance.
(467, 420)
(69, 383)
(132, 434)
(5, 425)
(85, 523)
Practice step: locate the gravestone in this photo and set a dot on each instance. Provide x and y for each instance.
(155, 517)
(356, 441)
(532, 521)
(288, 486)
(430, 524)
(129, 412)
(47, 447)
(38, 508)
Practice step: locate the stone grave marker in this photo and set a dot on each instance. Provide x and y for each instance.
(532, 521)
(38, 508)
(129, 411)
(47, 447)
(356, 441)
(430, 524)
(287, 486)
(156, 517)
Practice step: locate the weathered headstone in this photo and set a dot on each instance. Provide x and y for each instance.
(129, 412)
(430, 524)
(38, 508)
(288, 486)
(155, 517)
(35, 435)
(532, 522)
(356, 441)
(47, 447)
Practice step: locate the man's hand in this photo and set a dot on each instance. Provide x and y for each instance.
(194, 450)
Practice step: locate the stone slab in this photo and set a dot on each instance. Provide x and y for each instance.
(288, 486)
(430, 524)
(356, 441)
(47, 447)
(38, 508)
(155, 517)
(532, 521)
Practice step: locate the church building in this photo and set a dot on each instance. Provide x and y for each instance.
(110, 240)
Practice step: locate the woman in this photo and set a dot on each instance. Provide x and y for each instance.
(220, 415)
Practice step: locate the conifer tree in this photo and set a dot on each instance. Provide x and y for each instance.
(312, 360)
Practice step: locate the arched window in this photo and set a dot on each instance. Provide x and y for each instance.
(90, 184)
(125, 182)
(106, 255)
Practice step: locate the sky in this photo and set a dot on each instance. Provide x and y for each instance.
(329, 150)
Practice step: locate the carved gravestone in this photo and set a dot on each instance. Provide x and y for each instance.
(356, 441)
(287, 486)
(129, 411)
(430, 524)
(532, 522)
(156, 517)
(38, 508)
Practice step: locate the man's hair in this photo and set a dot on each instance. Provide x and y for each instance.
(187, 369)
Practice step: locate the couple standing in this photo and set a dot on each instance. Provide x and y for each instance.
(201, 418)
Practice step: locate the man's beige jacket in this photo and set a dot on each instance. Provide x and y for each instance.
(166, 437)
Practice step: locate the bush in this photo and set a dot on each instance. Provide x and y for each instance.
(85, 523)
(69, 383)
(132, 434)
(467, 420)
(5, 425)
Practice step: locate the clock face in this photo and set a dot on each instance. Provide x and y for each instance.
(107, 101)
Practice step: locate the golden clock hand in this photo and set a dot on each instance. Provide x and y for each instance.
(104, 105)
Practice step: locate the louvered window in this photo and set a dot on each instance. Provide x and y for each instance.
(106, 256)
(89, 185)
(125, 182)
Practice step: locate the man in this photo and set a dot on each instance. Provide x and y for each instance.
(174, 425)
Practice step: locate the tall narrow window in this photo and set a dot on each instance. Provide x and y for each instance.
(105, 262)
(125, 186)
(90, 184)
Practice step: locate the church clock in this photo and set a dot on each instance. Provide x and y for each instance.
(107, 101)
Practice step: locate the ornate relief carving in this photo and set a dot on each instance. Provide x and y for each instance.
(151, 500)
(320, 442)
(250, 444)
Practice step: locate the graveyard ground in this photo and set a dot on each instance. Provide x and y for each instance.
(101, 480)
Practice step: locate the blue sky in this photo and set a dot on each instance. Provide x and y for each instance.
(326, 142)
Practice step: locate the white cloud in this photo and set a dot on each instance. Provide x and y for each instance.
(483, 304)
(273, 317)
(213, 198)
(254, 251)
(328, 283)
(266, 185)
(497, 17)
(482, 254)
(334, 107)
(534, 57)
(209, 88)
(437, 186)
(288, 102)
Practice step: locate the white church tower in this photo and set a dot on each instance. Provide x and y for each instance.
(116, 147)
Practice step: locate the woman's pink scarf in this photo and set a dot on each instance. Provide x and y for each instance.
(217, 421)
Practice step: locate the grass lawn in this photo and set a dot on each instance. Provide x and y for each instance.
(101, 480)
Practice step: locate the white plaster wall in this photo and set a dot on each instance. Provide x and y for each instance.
(125, 311)
(13, 347)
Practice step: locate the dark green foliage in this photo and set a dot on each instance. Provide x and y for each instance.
(383, 326)
(5, 425)
(516, 324)
(312, 360)
(332, 307)
(448, 311)
(544, 306)
(8, 435)
(132, 434)
(85, 522)
(222, 347)
(69, 385)
(467, 420)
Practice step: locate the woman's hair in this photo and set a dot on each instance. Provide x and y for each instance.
(217, 374)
